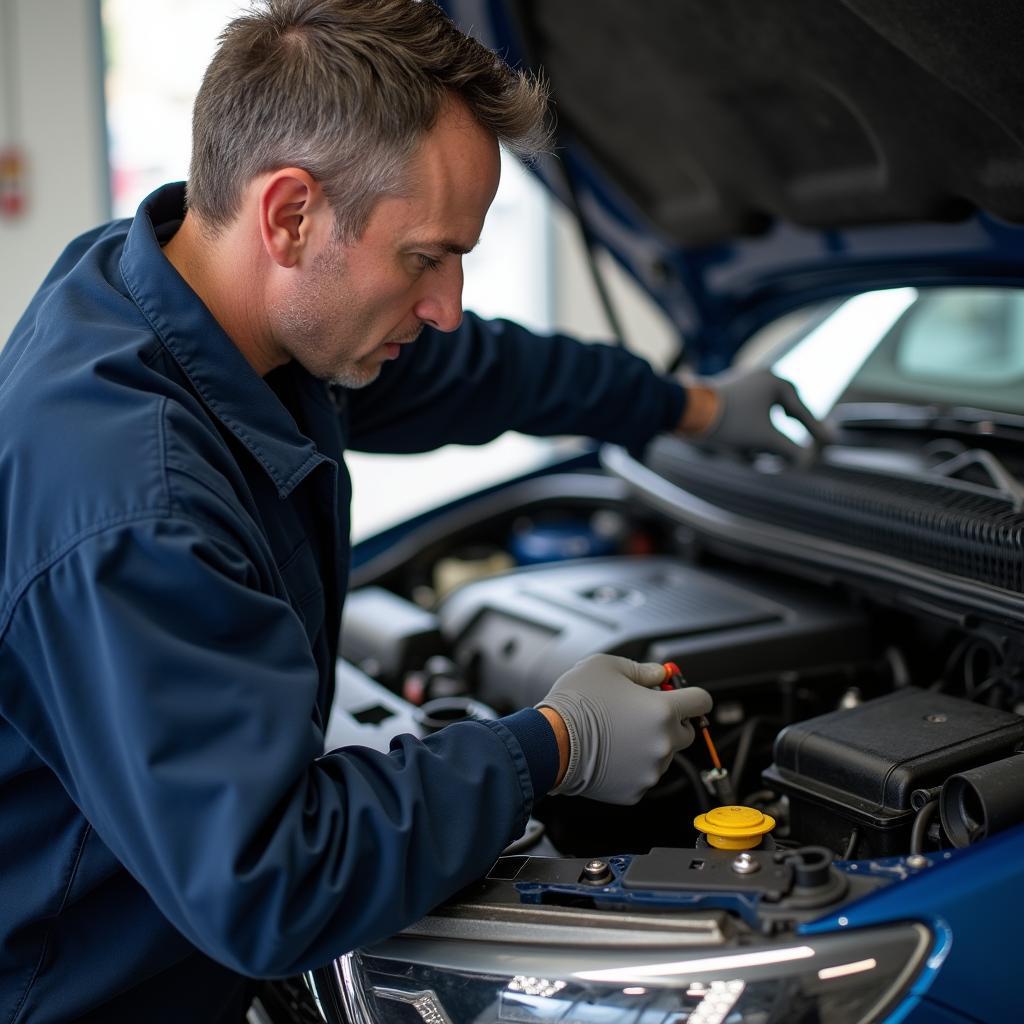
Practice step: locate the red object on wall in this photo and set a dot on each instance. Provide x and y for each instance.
(13, 198)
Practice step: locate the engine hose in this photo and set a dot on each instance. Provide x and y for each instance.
(921, 823)
(851, 844)
(980, 801)
(739, 762)
(695, 780)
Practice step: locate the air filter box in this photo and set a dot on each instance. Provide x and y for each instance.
(857, 768)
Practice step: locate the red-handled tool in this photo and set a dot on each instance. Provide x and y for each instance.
(673, 681)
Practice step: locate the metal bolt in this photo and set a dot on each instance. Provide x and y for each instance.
(935, 718)
(596, 871)
(917, 860)
(745, 864)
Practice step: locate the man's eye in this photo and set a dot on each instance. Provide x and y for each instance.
(427, 262)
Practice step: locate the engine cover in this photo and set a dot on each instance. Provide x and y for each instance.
(519, 631)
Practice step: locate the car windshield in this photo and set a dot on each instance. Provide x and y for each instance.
(945, 348)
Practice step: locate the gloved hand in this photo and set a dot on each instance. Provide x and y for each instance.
(622, 729)
(743, 418)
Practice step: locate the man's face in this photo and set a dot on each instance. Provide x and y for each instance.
(355, 304)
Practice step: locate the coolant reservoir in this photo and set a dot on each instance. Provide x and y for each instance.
(734, 827)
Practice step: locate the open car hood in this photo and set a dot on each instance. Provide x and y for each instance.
(743, 159)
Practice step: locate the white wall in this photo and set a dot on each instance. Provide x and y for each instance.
(58, 90)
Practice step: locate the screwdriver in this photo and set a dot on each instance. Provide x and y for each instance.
(673, 681)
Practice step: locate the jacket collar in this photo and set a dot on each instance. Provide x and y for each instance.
(221, 375)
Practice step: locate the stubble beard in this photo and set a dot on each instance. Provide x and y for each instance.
(304, 323)
(354, 377)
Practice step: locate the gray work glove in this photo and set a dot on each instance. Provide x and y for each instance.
(745, 401)
(622, 729)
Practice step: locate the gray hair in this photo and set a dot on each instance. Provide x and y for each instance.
(344, 89)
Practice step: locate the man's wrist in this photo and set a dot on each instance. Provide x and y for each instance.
(558, 727)
(702, 408)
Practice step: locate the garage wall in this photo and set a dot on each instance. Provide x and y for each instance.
(57, 92)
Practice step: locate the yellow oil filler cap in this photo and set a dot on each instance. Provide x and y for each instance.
(734, 827)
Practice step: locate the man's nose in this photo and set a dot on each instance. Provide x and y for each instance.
(440, 305)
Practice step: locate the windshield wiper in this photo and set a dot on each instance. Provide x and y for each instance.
(958, 422)
(947, 421)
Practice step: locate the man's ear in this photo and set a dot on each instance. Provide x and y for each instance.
(291, 205)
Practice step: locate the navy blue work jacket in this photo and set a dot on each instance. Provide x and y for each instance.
(174, 547)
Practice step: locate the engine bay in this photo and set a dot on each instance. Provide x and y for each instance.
(873, 736)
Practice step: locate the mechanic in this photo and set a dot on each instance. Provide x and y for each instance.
(174, 409)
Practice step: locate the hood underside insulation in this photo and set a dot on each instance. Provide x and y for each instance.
(717, 118)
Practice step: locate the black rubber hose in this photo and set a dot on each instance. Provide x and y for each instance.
(852, 844)
(978, 802)
(921, 823)
(739, 762)
(695, 780)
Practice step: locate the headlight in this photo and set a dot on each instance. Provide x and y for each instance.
(411, 979)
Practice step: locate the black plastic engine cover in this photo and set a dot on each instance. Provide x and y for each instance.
(519, 631)
(858, 767)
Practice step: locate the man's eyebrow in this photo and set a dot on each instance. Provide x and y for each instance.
(455, 248)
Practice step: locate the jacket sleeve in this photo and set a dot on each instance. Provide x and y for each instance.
(487, 377)
(175, 702)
